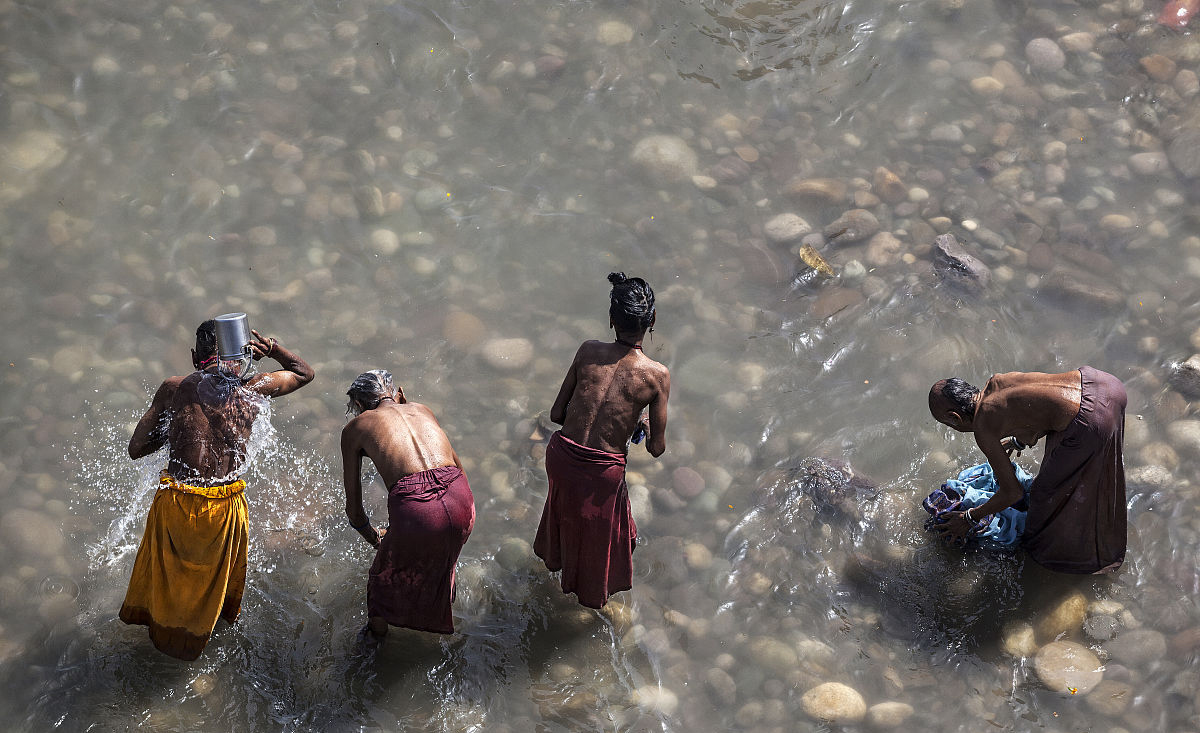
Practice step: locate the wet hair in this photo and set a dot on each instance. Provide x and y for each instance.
(369, 389)
(960, 394)
(631, 303)
(206, 339)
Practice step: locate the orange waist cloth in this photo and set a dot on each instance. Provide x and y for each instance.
(191, 565)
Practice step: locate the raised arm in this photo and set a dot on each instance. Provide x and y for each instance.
(656, 444)
(352, 455)
(558, 413)
(295, 373)
(151, 431)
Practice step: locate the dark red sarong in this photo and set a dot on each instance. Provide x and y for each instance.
(1076, 521)
(587, 530)
(430, 516)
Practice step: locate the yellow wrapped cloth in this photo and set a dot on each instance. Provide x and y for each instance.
(191, 565)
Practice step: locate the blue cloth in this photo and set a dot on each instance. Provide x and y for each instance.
(973, 487)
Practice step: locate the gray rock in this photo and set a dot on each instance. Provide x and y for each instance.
(721, 686)
(833, 486)
(786, 228)
(1101, 627)
(946, 133)
(890, 714)
(958, 267)
(665, 157)
(1137, 647)
(1185, 377)
(31, 533)
(853, 226)
(1044, 54)
(1149, 164)
(1185, 436)
(1082, 290)
(1184, 152)
(508, 354)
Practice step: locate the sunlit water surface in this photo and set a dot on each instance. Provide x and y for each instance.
(415, 185)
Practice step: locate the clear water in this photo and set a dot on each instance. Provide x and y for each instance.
(358, 175)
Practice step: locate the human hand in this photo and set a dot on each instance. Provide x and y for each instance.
(261, 346)
(379, 533)
(955, 529)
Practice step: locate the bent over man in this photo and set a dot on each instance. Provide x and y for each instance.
(191, 564)
(431, 510)
(1076, 521)
(587, 529)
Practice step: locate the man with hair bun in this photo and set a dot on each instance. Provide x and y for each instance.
(431, 510)
(587, 530)
(1077, 519)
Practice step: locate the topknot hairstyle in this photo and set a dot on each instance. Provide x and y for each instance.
(206, 339)
(369, 389)
(631, 303)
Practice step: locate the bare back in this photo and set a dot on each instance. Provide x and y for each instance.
(210, 422)
(399, 438)
(604, 393)
(1027, 405)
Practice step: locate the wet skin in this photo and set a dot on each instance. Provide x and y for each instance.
(401, 438)
(1025, 405)
(606, 389)
(205, 417)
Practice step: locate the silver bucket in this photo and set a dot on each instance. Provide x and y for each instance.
(233, 343)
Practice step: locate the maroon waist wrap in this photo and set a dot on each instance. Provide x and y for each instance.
(430, 516)
(1077, 521)
(587, 530)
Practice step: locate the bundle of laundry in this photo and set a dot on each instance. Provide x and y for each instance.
(973, 487)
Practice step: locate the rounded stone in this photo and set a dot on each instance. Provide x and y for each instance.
(656, 699)
(834, 702)
(772, 654)
(1101, 627)
(31, 533)
(614, 33)
(1184, 152)
(385, 241)
(666, 157)
(1137, 647)
(1184, 436)
(786, 228)
(890, 714)
(261, 236)
(687, 482)
(1044, 54)
(508, 354)
(463, 330)
(720, 686)
(1065, 618)
(1018, 640)
(1068, 667)
(514, 554)
(1149, 164)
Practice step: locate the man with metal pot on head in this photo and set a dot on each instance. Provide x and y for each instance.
(191, 565)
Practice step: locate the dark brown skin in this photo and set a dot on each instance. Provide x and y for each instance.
(605, 391)
(1024, 405)
(401, 438)
(205, 419)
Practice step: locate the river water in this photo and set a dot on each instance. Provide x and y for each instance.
(439, 189)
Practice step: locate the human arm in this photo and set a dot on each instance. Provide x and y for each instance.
(558, 413)
(151, 431)
(1009, 491)
(352, 455)
(656, 444)
(295, 373)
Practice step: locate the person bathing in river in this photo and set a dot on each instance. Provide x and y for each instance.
(190, 568)
(587, 530)
(1076, 521)
(431, 510)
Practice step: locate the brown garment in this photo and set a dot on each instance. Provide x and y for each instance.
(430, 516)
(1077, 521)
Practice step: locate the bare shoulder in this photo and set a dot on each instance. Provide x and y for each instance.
(589, 350)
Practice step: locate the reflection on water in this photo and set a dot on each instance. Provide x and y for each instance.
(409, 186)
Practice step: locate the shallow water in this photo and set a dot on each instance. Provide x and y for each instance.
(402, 185)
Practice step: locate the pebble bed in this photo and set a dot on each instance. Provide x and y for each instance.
(836, 204)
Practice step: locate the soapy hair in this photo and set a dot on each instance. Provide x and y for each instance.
(369, 389)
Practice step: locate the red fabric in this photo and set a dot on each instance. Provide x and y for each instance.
(430, 516)
(587, 530)
(1077, 520)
